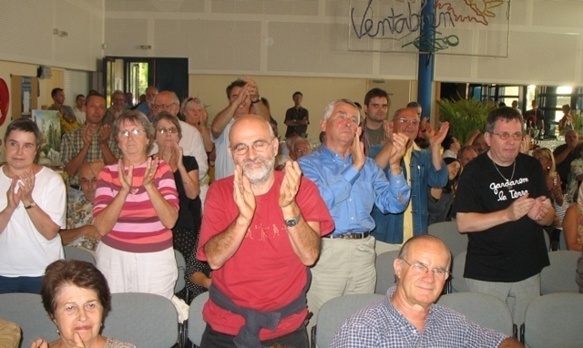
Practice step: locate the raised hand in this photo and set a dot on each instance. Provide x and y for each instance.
(436, 138)
(26, 186)
(243, 195)
(14, 193)
(125, 180)
(168, 154)
(204, 117)
(358, 156)
(178, 152)
(40, 343)
(525, 144)
(78, 340)
(398, 149)
(87, 135)
(520, 207)
(290, 184)
(243, 95)
(104, 133)
(151, 167)
(252, 89)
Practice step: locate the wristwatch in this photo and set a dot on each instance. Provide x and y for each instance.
(291, 222)
(31, 205)
(256, 101)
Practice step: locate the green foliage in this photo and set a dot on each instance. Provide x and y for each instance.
(464, 116)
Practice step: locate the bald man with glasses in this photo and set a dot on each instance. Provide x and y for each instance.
(408, 315)
(260, 232)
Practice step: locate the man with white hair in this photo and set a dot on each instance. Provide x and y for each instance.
(351, 184)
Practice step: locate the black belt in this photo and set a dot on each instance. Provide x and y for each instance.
(349, 235)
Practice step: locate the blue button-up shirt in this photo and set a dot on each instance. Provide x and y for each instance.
(349, 193)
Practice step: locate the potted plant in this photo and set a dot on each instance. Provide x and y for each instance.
(464, 116)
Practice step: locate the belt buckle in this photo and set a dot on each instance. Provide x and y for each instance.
(357, 235)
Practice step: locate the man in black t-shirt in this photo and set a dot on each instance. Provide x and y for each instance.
(502, 205)
(297, 118)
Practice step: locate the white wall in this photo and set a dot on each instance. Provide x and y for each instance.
(27, 32)
(546, 48)
(317, 91)
(310, 38)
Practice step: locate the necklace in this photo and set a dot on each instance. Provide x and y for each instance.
(508, 181)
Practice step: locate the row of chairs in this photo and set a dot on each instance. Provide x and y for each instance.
(558, 277)
(458, 242)
(553, 320)
(146, 320)
(125, 322)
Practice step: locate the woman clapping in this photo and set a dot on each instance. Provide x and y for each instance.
(135, 207)
(185, 170)
(33, 203)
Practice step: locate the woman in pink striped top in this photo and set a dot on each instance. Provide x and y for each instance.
(135, 207)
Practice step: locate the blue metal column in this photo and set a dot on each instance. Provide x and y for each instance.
(426, 61)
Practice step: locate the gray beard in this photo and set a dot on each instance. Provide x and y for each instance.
(259, 176)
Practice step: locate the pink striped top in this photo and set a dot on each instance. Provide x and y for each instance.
(138, 228)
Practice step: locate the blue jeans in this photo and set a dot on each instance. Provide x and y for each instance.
(20, 284)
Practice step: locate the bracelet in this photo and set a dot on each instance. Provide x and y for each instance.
(256, 101)
(31, 205)
(186, 182)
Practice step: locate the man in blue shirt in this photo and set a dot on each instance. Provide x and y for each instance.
(408, 317)
(350, 184)
(423, 168)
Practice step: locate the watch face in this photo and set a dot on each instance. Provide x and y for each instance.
(291, 222)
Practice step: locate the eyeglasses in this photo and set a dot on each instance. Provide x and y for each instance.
(506, 135)
(410, 121)
(258, 146)
(418, 267)
(135, 132)
(171, 130)
(304, 150)
(162, 106)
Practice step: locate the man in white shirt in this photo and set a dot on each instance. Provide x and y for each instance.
(244, 99)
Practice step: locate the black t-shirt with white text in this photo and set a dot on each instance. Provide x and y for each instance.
(511, 251)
